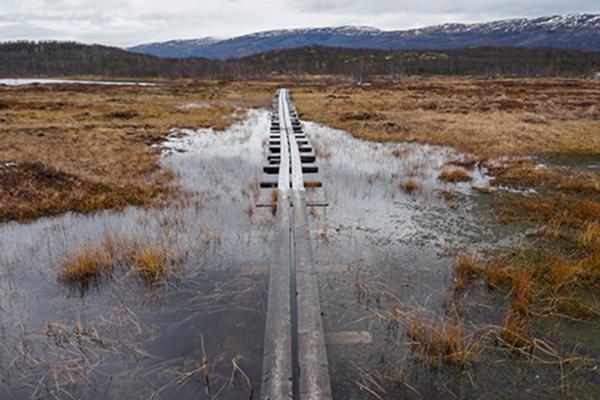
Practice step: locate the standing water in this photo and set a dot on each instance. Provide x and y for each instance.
(383, 250)
(197, 334)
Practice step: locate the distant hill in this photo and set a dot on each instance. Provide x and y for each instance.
(34, 59)
(52, 58)
(175, 48)
(484, 61)
(573, 31)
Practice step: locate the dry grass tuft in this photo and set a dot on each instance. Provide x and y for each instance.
(83, 270)
(522, 290)
(561, 271)
(92, 263)
(89, 265)
(589, 237)
(410, 186)
(454, 175)
(274, 200)
(514, 330)
(484, 189)
(442, 342)
(151, 264)
(466, 267)
(447, 194)
(580, 183)
(496, 274)
(400, 151)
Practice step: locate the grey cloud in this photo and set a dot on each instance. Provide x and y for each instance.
(500, 8)
(126, 22)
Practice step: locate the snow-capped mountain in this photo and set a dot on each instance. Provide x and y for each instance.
(572, 31)
(175, 48)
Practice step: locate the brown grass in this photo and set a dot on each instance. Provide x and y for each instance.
(466, 267)
(89, 265)
(514, 330)
(526, 172)
(400, 152)
(496, 274)
(88, 147)
(561, 271)
(589, 237)
(410, 186)
(522, 290)
(484, 189)
(274, 200)
(151, 264)
(85, 268)
(442, 342)
(94, 262)
(454, 175)
(489, 117)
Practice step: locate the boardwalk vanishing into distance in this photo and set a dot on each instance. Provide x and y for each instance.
(295, 358)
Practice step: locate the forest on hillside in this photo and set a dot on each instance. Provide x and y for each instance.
(34, 59)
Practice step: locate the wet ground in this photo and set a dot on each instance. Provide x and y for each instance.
(384, 248)
(386, 256)
(19, 82)
(199, 334)
(578, 162)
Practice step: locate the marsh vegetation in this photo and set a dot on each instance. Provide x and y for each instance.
(461, 242)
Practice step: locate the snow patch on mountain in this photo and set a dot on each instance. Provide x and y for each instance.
(570, 31)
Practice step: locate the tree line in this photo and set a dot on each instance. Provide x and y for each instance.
(50, 58)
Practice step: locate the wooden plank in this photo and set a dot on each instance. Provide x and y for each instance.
(295, 358)
(348, 337)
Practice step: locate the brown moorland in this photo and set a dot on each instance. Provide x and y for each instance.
(488, 117)
(84, 148)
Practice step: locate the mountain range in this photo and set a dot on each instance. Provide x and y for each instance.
(571, 31)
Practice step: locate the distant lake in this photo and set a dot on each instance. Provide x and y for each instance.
(17, 82)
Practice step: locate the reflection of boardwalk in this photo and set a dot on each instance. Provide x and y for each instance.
(295, 359)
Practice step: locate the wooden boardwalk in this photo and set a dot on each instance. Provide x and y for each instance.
(295, 358)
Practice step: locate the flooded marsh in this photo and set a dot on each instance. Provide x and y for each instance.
(147, 302)
(442, 274)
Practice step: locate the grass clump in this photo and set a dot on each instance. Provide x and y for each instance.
(454, 175)
(151, 264)
(92, 263)
(400, 152)
(444, 341)
(84, 269)
(522, 290)
(466, 267)
(589, 237)
(496, 274)
(88, 266)
(514, 330)
(410, 186)
(274, 200)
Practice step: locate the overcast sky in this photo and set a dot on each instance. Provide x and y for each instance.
(128, 22)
